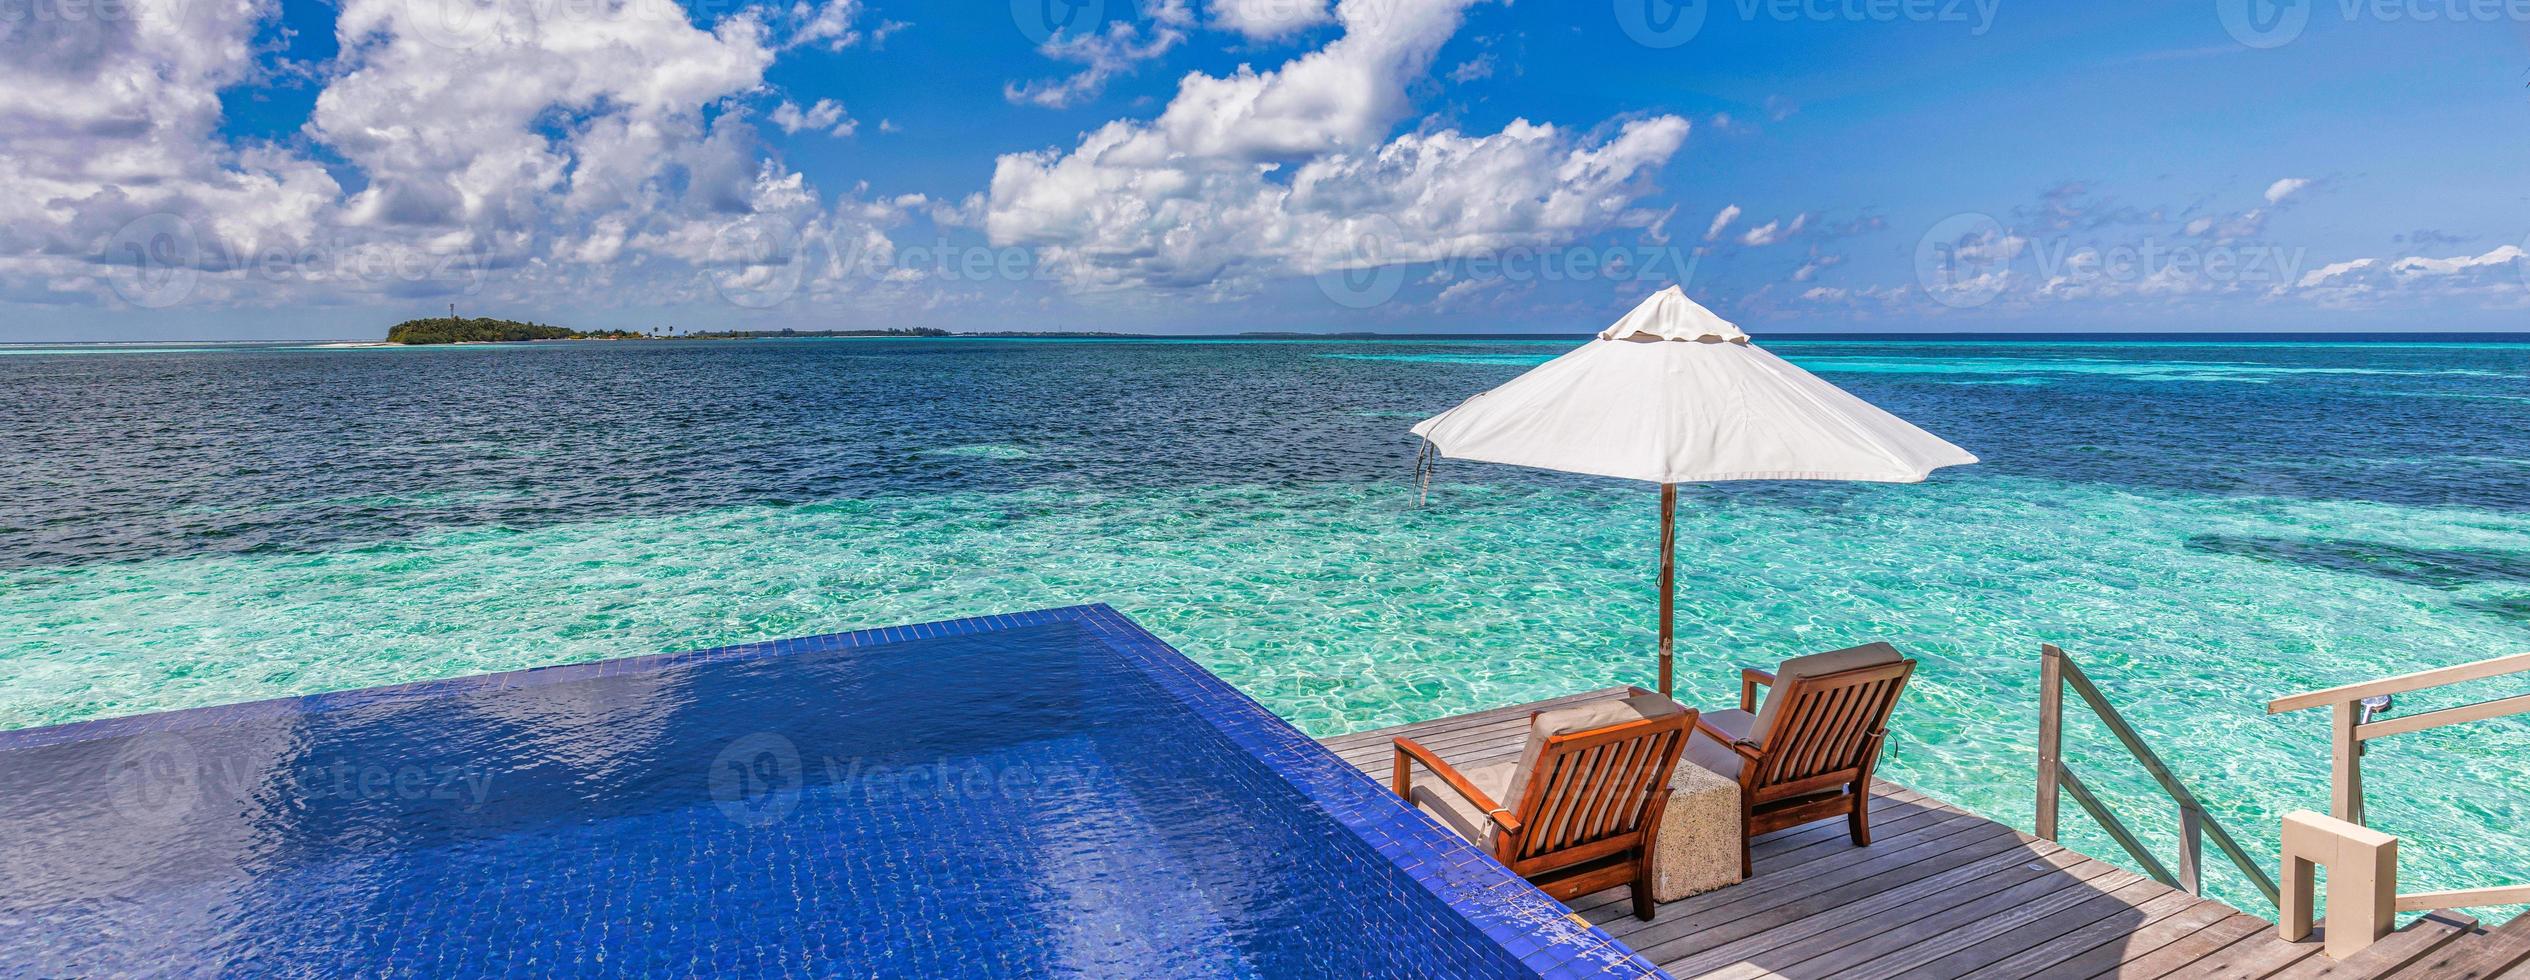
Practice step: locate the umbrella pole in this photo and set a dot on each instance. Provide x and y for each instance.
(1668, 574)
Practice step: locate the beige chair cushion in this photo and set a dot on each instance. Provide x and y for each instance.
(1833, 661)
(1437, 800)
(1735, 723)
(1713, 757)
(1582, 717)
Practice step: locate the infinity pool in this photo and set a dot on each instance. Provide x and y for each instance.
(1050, 793)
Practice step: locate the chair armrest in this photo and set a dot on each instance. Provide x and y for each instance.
(1408, 750)
(1745, 749)
(1750, 679)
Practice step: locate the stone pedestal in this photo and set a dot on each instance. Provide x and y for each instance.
(1698, 847)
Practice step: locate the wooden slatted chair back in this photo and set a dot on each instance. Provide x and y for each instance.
(1827, 732)
(1592, 793)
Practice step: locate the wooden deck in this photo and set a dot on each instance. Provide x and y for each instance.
(1940, 893)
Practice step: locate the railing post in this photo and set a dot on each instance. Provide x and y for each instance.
(2191, 850)
(2050, 736)
(2345, 768)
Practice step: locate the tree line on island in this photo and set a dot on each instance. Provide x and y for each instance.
(486, 330)
(489, 330)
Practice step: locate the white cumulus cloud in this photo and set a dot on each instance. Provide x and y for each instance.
(2500, 273)
(1294, 171)
(1721, 222)
(826, 114)
(1104, 55)
(511, 146)
(1774, 232)
(1266, 20)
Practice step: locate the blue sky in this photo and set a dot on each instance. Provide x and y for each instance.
(249, 169)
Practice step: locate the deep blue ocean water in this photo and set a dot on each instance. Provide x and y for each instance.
(2205, 525)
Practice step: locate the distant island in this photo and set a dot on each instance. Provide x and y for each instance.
(491, 330)
(486, 330)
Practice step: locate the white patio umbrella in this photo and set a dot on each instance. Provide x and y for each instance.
(1674, 394)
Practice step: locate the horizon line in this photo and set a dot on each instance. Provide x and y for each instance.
(821, 334)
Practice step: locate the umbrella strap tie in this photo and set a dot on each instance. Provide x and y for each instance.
(1424, 464)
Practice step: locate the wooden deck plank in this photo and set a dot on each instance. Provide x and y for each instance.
(2113, 895)
(1923, 952)
(1828, 837)
(2393, 953)
(1963, 841)
(2188, 949)
(2048, 953)
(1674, 944)
(1518, 713)
(2486, 953)
(1825, 944)
(2117, 950)
(1941, 892)
(1789, 882)
(1452, 744)
(2255, 957)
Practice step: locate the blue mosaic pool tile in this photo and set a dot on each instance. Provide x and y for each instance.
(789, 869)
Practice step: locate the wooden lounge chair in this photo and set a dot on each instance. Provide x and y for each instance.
(1581, 808)
(1806, 752)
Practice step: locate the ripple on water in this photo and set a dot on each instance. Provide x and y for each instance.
(260, 523)
(986, 450)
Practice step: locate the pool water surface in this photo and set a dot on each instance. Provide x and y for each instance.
(1044, 794)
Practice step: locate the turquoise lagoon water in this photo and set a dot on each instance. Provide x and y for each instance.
(2205, 526)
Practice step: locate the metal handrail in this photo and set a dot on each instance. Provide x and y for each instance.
(2057, 672)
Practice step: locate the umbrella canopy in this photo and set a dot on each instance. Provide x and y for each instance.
(1675, 394)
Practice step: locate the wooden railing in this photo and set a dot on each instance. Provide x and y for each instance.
(2370, 873)
(2056, 673)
